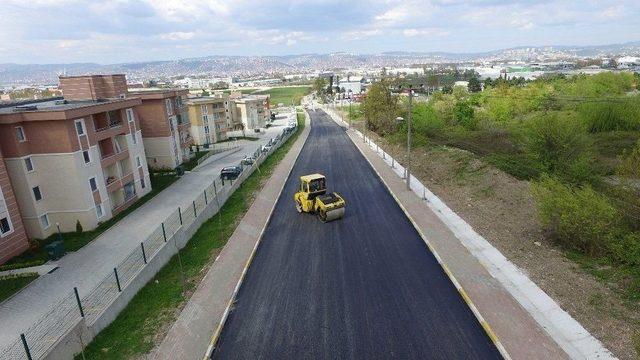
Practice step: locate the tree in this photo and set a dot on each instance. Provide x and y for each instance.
(474, 85)
(320, 85)
(380, 108)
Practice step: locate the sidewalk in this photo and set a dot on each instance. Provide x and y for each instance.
(202, 318)
(89, 265)
(525, 320)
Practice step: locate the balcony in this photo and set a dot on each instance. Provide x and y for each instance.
(108, 124)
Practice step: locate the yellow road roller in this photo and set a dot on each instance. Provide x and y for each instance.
(313, 198)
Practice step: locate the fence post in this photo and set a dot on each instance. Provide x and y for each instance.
(115, 271)
(180, 215)
(26, 346)
(195, 213)
(206, 202)
(393, 162)
(75, 290)
(144, 254)
(164, 233)
(424, 196)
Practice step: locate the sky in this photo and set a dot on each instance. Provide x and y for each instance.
(116, 31)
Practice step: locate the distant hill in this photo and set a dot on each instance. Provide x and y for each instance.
(252, 65)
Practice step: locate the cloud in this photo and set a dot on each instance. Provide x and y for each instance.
(109, 31)
(425, 32)
(178, 35)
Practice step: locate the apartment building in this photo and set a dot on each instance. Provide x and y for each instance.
(80, 158)
(165, 125)
(13, 238)
(209, 118)
(248, 111)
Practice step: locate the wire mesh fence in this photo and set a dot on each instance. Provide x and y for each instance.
(38, 339)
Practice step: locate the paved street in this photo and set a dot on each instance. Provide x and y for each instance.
(88, 266)
(364, 287)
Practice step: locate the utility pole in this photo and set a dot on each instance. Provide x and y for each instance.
(409, 139)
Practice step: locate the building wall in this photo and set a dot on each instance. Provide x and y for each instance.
(160, 126)
(93, 86)
(15, 241)
(159, 152)
(63, 180)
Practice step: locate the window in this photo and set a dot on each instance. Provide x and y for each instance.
(86, 156)
(138, 161)
(80, 127)
(44, 221)
(99, 211)
(5, 226)
(134, 138)
(206, 129)
(130, 117)
(28, 164)
(36, 193)
(205, 118)
(93, 184)
(179, 101)
(20, 134)
(169, 107)
(142, 183)
(204, 109)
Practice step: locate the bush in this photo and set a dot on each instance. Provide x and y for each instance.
(626, 249)
(561, 146)
(611, 116)
(78, 227)
(463, 113)
(578, 218)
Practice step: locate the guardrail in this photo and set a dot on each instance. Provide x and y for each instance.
(75, 320)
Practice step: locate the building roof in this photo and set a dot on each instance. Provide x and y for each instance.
(60, 109)
(206, 99)
(157, 93)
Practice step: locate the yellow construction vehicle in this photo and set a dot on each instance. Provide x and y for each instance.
(313, 198)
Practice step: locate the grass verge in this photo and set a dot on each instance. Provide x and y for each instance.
(135, 331)
(10, 285)
(73, 241)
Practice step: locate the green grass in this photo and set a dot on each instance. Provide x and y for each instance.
(74, 241)
(157, 304)
(286, 95)
(12, 284)
(189, 165)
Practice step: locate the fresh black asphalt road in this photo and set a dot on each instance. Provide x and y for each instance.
(363, 287)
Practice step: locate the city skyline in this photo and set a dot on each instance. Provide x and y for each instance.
(109, 32)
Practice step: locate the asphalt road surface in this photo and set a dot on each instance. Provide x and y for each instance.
(363, 287)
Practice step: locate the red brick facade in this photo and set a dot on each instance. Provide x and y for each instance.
(15, 242)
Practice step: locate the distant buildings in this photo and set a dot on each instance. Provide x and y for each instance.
(80, 158)
(165, 125)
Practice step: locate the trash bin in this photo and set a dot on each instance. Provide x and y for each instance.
(55, 250)
(180, 170)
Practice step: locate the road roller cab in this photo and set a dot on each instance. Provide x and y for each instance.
(312, 197)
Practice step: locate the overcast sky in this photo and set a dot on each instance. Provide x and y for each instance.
(64, 31)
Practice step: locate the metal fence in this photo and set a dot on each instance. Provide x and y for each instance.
(38, 340)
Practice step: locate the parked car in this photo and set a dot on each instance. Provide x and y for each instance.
(266, 148)
(248, 160)
(230, 172)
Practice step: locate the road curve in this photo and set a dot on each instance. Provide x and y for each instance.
(364, 287)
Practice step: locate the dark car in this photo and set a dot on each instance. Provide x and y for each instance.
(230, 172)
